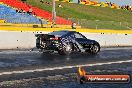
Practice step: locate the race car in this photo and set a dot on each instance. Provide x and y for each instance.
(65, 42)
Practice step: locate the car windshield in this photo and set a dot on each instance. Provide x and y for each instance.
(58, 33)
(78, 35)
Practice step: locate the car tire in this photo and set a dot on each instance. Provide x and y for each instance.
(66, 50)
(94, 48)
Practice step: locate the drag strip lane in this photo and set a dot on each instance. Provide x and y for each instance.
(64, 67)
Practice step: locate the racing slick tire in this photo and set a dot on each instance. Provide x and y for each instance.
(94, 48)
(66, 50)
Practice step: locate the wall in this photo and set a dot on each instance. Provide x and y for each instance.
(108, 39)
(26, 40)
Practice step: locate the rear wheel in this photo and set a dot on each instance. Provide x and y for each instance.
(66, 50)
(94, 49)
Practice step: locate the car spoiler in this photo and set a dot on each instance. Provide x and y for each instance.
(44, 36)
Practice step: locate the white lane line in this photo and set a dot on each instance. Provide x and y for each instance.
(63, 67)
(115, 48)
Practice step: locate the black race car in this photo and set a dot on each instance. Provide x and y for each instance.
(66, 42)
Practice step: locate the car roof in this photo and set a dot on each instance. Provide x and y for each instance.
(61, 32)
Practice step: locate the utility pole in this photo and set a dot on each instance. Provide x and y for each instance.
(53, 13)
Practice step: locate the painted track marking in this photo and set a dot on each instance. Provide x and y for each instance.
(63, 67)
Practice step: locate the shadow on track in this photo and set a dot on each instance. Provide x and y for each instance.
(67, 58)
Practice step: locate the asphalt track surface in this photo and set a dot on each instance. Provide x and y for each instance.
(33, 69)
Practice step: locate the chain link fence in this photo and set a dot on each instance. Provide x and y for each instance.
(83, 23)
(97, 24)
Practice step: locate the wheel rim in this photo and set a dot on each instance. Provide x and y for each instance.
(94, 48)
(68, 48)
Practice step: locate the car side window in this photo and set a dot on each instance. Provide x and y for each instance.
(77, 35)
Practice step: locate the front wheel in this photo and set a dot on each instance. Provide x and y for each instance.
(94, 49)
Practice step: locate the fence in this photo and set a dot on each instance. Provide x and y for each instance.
(81, 23)
(97, 24)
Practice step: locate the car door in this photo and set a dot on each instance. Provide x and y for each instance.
(82, 40)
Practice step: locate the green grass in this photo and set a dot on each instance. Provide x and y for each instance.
(92, 13)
